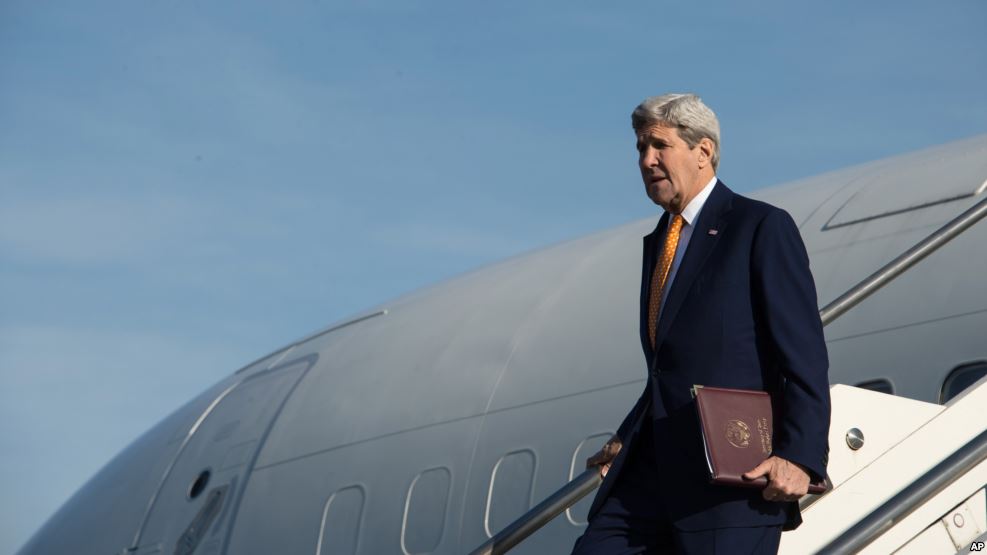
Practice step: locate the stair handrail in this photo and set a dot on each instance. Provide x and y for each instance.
(915, 494)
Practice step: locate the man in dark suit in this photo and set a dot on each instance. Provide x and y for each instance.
(727, 300)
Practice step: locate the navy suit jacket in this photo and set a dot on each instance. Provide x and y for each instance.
(742, 313)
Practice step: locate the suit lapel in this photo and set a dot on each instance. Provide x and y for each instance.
(649, 258)
(701, 244)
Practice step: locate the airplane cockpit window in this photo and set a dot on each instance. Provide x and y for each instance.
(425, 511)
(961, 378)
(882, 385)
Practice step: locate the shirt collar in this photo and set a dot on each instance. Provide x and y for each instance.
(691, 211)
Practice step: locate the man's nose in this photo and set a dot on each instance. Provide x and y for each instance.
(650, 158)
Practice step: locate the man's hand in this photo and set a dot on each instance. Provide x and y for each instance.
(787, 481)
(604, 456)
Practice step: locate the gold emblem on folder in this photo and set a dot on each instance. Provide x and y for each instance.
(738, 433)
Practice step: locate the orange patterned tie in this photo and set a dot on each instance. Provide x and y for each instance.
(660, 276)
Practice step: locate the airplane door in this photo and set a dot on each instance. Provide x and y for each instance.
(195, 506)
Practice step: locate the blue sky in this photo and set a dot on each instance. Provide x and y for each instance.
(188, 185)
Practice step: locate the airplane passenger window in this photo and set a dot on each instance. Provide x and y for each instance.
(425, 511)
(511, 485)
(576, 514)
(961, 378)
(882, 386)
(340, 531)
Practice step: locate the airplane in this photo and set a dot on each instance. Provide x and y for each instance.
(430, 422)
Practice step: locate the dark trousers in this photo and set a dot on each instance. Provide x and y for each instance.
(633, 519)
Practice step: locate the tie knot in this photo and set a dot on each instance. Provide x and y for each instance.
(677, 222)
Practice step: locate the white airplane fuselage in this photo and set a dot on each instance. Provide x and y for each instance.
(432, 421)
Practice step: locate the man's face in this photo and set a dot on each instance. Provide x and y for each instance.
(669, 168)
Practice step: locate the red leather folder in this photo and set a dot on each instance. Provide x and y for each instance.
(737, 429)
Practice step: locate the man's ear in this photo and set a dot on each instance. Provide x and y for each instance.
(705, 147)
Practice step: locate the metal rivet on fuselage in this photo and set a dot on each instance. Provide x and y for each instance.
(854, 438)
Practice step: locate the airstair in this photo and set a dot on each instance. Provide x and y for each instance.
(879, 443)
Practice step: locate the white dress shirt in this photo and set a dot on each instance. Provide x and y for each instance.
(689, 216)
